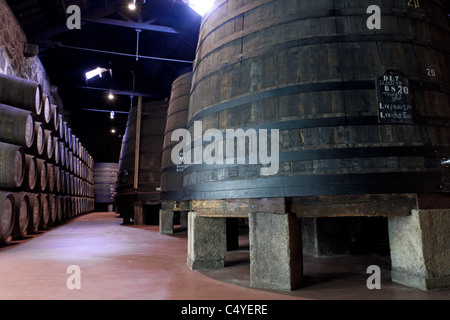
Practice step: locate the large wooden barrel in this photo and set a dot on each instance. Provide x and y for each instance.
(66, 132)
(68, 138)
(6, 216)
(61, 127)
(153, 122)
(172, 174)
(70, 160)
(65, 208)
(56, 151)
(359, 110)
(46, 114)
(12, 166)
(57, 178)
(62, 154)
(105, 177)
(42, 178)
(63, 180)
(53, 213)
(54, 119)
(45, 211)
(21, 93)
(67, 182)
(31, 173)
(38, 146)
(48, 142)
(50, 177)
(59, 208)
(22, 211)
(16, 126)
(35, 212)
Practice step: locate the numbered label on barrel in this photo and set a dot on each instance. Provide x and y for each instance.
(393, 98)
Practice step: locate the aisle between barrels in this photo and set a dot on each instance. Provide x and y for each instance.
(115, 262)
(118, 262)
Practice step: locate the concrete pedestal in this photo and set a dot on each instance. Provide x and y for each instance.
(420, 249)
(276, 260)
(166, 221)
(207, 242)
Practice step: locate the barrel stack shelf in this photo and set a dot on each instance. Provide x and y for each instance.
(46, 174)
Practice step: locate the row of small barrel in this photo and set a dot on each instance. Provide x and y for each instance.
(29, 173)
(24, 213)
(38, 151)
(22, 103)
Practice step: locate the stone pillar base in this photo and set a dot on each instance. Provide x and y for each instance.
(276, 260)
(166, 221)
(420, 249)
(207, 243)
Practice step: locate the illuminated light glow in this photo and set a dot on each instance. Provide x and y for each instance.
(112, 115)
(200, 6)
(96, 72)
(110, 96)
(132, 5)
(113, 130)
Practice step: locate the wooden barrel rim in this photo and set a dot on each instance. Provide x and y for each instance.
(22, 217)
(6, 215)
(40, 143)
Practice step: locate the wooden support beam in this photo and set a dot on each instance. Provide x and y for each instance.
(237, 208)
(371, 205)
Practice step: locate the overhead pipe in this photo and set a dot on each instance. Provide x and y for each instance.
(137, 56)
(138, 31)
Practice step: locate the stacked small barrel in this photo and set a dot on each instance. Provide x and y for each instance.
(46, 175)
(105, 177)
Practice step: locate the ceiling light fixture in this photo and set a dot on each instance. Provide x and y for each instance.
(200, 6)
(132, 5)
(112, 115)
(96, 72)
(110, 96)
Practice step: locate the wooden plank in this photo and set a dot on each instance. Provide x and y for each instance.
(433, 201)
(237, 208)
(371, 205)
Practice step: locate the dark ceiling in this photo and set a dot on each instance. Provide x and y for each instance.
(168, 33)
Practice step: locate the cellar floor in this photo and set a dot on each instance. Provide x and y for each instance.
(118, 262)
